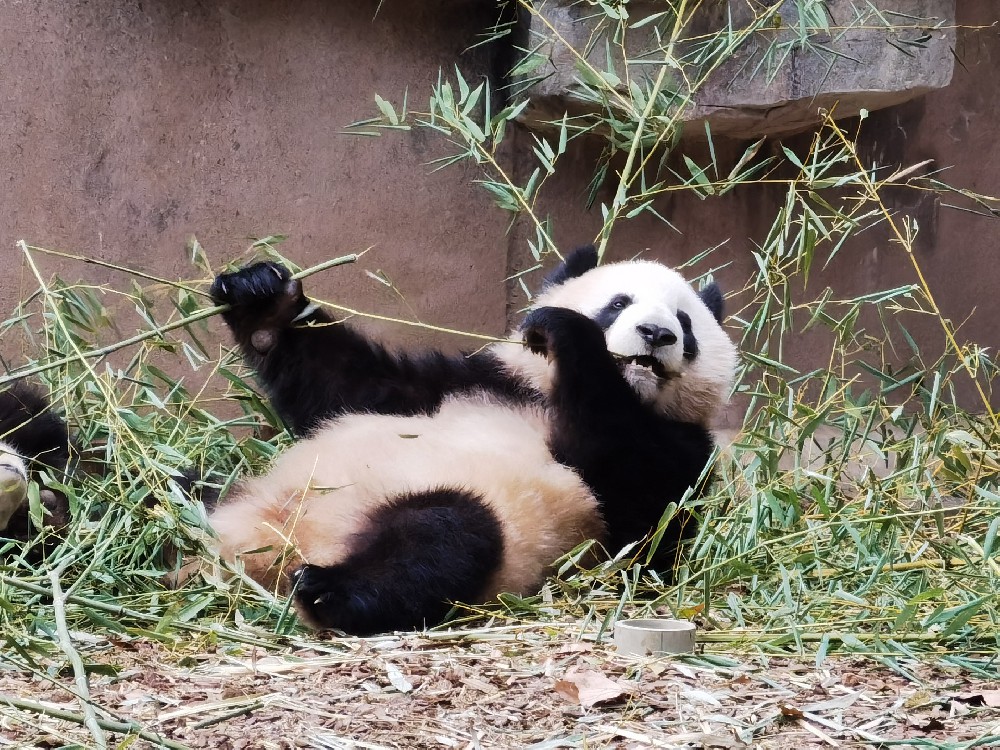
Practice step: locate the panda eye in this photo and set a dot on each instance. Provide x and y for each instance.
(620, 302)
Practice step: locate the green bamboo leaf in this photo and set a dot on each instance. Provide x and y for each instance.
(989, 542)
(463, 86)
(387, 110)
(790, 155)
(651, 18)
(698, 174)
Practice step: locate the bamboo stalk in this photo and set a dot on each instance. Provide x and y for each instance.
(79, 671)
(114, 267)
(121, 727)
(119, 611)
(159, 331)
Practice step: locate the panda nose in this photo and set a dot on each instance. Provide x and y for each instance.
(656, 336)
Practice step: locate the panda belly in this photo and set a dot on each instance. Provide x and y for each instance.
(317, 503)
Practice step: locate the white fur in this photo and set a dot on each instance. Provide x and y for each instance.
(319, 491)
(13, 483)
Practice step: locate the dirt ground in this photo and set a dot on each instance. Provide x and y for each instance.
(512, 687)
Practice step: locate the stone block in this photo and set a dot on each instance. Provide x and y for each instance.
(809, 56)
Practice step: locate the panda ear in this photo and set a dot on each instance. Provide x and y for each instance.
(577, 263)
(711, 295)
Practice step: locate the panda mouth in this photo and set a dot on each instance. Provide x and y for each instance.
(648, 362)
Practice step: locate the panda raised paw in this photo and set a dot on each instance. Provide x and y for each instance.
(264, 299)
(260, 284)
(548, 330)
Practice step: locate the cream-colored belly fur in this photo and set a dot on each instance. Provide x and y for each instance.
(358, 461)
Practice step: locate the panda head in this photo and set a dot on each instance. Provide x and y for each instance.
(666, 336)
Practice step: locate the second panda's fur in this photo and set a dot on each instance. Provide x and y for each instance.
(423, 480)
(32, 437)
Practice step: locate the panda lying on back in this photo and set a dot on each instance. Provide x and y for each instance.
(423, 480)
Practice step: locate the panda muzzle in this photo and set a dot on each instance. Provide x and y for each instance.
(650, 363)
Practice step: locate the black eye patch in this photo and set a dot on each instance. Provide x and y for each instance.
(610, 312)
(690, 342)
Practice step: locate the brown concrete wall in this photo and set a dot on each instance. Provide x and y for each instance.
(129, 126)
(956, 250)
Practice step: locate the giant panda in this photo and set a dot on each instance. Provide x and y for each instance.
(425, 479)
(33, 438)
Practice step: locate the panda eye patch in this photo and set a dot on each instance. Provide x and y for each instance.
(690, 340)
(610, 312)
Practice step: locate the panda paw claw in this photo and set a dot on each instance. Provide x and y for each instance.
(308, 581)
(255, 285)
(315, 594)
(535, 341)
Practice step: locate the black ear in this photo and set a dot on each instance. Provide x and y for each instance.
(577, 263)
(711, 295)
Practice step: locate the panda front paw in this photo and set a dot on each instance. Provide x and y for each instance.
(262, 284)
(263, 300)
(550, 330)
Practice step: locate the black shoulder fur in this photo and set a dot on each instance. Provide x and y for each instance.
(315, 368)
(40, 436)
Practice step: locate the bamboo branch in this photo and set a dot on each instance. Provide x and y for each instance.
(121, 727)
(79, 670)
(115, 267)
(119, 611)
(158, 331)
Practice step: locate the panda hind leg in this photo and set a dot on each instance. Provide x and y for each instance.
(419, 552)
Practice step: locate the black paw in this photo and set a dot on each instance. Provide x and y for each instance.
(547, 329)
(259, 284)
(308, 581)
(314, 594)
(338, 598)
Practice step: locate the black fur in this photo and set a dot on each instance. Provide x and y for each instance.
(27, 423)
(316, 368)
(634, 459)
(690, 340)
(712, 296)
(417, 554)
(577, 263)
(40, 436)
(198, 486)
